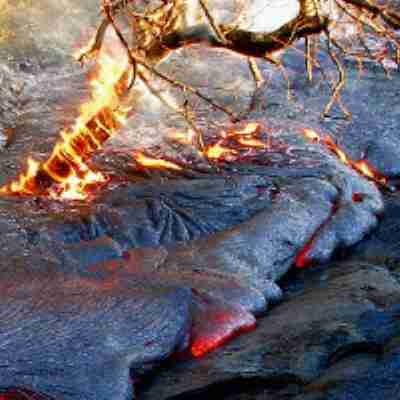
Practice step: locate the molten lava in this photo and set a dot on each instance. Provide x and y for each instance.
(66, 174)
(157, 163)
(182, 137)
(218, 151)
(235, 141)
(229, 147)
(229, 327)
(363, 167)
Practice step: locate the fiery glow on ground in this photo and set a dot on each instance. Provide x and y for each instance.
(66, 174)
(226, 328)
(235, 141)
(218, 151)
(363, 167)
(157, 163)
(229, 147)
(185, 138)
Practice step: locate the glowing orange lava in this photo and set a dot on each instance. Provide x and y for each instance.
(182, 137)
(363, 167)
(247, 141)
(204, 345)
(231, 145)
(66, 174)
(218, 151)
(234, 141)
(251, 128)
(157, 163)
(303, 258)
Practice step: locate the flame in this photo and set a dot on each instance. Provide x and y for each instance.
(158, 163)
(311, 135)
(66, 174)
(365, 168)
(74, 187)
(361, 166)
(85, 50)
(231, 145)
(217, 151)
(244, 137)
(250, 129)
(251, 142)
(23, 184)
(185, 138)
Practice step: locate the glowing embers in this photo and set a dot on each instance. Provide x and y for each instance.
(218, 151)
(363, 167)
(237, 142)
(155, 163)
(184, 138)
(66, 174)
(231, 145)
(225, 328)
(215, 323)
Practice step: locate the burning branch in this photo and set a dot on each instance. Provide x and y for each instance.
(66, 174)
(161, 28)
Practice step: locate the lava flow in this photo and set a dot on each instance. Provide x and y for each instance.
(363, 167)
(66, 174)
(235, 141)
(230, 147)
(157, 163)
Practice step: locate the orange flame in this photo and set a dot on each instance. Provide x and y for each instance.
(361, 166)
(228, 148)
(217, 151)
(311, 135)
(158, 163)
(22, 185)
(364, 167)
(66, 174)
(182, 137)
(250, 129)
(251, 142)
(245, 137)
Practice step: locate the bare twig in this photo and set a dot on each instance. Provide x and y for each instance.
(255, 72)
(163, 31)
(183, 113)
(340, 83)
(108, 12)
(212, 22)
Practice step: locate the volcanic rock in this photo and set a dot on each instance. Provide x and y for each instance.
(382, 245)
(383, 154)
(181, 263)
(333, 336)
(78, 338)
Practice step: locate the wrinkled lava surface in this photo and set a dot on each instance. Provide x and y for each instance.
(95, 295)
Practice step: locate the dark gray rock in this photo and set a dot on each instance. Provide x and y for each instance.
(383, 153)
(382, 245)
(343, 313)
(79, 338)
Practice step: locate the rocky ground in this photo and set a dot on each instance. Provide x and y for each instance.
(333, 337)
(96, 295)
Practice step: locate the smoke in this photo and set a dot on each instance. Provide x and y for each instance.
(46, 26)
(268, 16)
